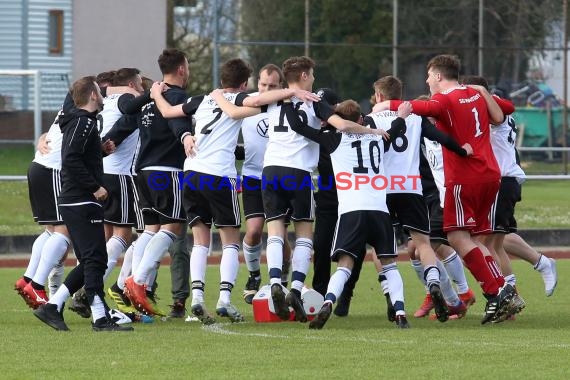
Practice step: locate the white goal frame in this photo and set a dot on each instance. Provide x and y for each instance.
(36, 75)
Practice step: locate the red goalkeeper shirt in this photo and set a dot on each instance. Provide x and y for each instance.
(462, 113)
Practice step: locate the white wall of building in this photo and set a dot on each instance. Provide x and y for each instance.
(110, 34)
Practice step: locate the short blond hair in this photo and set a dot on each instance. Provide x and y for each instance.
(389, 86)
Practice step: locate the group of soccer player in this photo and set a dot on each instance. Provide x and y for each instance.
(169, 162)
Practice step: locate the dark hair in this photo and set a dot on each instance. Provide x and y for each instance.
(170, 60)
(293, 68)
(475, 79)
(124, 76)
(271, 68)
(235, 72)
(81, 90)
(389, 86)
(105, 78)
(447, 65)
(349, 109)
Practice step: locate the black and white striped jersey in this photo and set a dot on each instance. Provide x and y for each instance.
(216, 135)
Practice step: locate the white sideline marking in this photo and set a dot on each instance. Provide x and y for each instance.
(20, 310)
(220, 328)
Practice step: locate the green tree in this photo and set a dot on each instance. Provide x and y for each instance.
(351, 41)
(360, 29)
(191, 26)
(337, 28)
(275, 29)
(514, 31)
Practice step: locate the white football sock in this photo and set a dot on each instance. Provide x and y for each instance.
(542, 264)
(140, 246)
(456, 272)
(337, 282)
(252, 255)
(229, 266)
(55, 278)
(300, 262)
(449, 293)
(153, 253)
(52, 252)
(115, 247)
(431, 274)
(419, 269)
(274, 258)
(97, 308)
(198, 264)
(126, 268)
(383, 283)
(60, 297)
(395, 283)
(36, 254)
(151, 278)
(511, 279)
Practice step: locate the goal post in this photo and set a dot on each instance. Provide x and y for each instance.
(23, 92)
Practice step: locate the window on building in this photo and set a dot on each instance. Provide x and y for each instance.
(55, 32)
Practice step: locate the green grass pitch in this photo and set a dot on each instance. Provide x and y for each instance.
(362, 346)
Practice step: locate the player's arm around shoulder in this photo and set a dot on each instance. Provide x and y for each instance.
(496, 115)
(349, 126)
(325, 137)
(166, 109)
(398, 125)
(506, 105)
(274, 96)
(233, 111)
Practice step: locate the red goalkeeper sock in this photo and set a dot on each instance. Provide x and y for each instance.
(495, 271)
(477, 265)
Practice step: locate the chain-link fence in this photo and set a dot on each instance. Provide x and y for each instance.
(517, 45)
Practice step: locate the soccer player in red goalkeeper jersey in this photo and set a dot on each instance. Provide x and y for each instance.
(471, 182)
